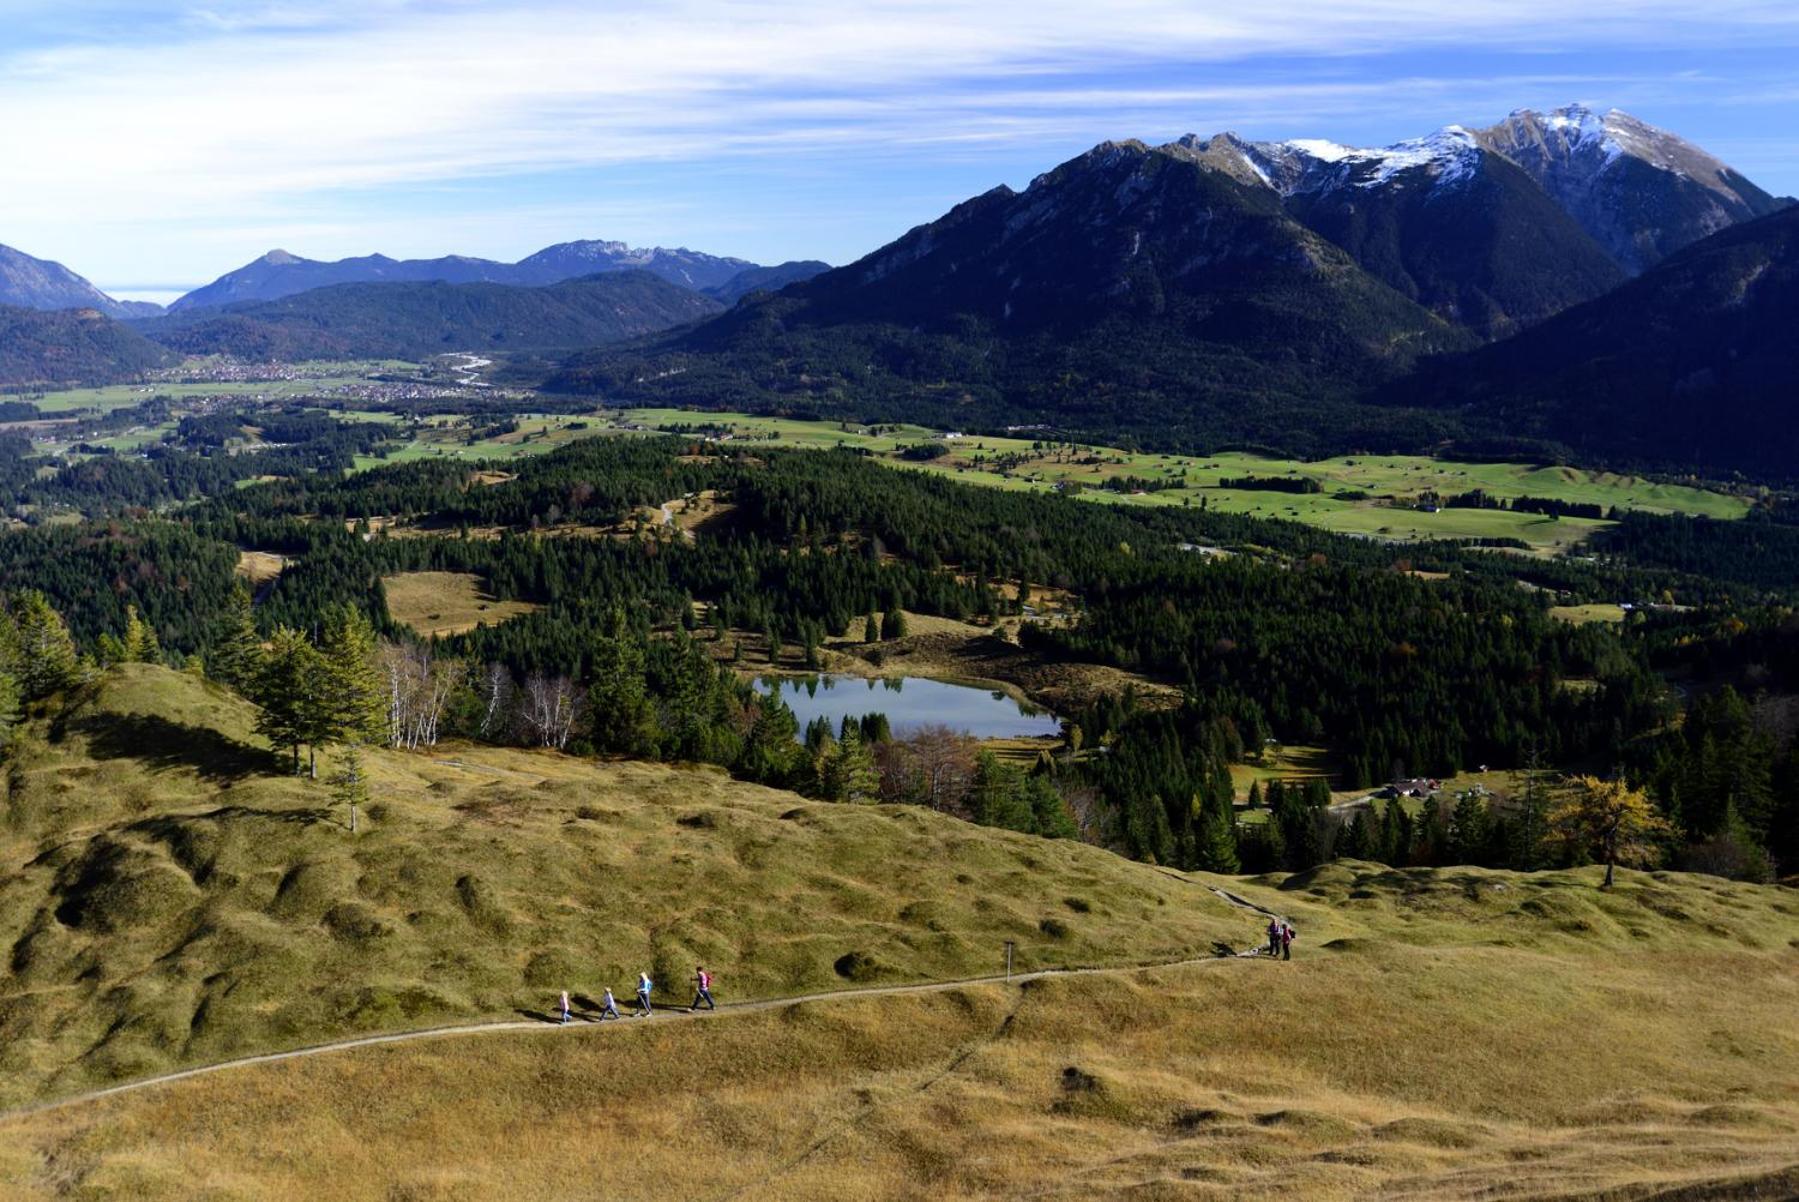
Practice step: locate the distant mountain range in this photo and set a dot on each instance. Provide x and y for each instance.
(1131, 288)
(28, 283)
(1220, 291)
(413, 320)
(279, 274)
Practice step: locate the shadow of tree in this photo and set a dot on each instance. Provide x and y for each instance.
(161, 743)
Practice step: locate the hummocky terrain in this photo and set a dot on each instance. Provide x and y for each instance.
(1438, 1033)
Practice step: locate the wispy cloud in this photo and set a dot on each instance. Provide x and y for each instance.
(241, 110)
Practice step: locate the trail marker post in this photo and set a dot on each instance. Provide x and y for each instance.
(1009, 946)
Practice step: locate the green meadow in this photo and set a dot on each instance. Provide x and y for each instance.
(1378, 496)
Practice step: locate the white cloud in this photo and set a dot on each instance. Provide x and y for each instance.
(240, 110)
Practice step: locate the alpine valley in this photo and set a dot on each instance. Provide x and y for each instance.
(1235, 669)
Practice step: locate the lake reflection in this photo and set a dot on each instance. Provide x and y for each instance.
(910, 703)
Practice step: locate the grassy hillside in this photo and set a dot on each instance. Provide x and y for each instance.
(1441, 1034)
(168, 901)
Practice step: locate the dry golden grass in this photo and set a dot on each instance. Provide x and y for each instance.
(1457, 1033)
(169, 902)
(1527, 1062)
(260, 567)
(439, 603)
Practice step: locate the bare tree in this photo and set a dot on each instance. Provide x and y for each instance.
(496, 699)
(419, 685)
(550, 706)
(934, 767)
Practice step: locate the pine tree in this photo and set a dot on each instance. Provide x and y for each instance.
(893, 625)
(871, 629)
(236, 659)
(849, 772)
(140, 644)
(47, 659)
(1215, 848)
(350, 785)
(351, 695)
(287, 692)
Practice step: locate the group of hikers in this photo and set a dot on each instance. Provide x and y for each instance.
(1280, 946)
(609, 1005)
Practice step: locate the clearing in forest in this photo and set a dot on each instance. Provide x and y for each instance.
(440, 603)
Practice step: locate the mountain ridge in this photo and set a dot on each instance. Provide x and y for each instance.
(27, 282)
(280, 273)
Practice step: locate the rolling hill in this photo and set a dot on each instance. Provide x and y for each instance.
(1440, 1033)
(1132, 288)
(1689, 366)
(70, 346)
(412, 320)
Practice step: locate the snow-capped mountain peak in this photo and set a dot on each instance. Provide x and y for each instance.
(1303, 165)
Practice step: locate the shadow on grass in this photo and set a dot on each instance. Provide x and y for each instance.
(164, 744)
(554, 1020)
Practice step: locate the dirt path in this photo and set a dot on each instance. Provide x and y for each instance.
(752, 1007)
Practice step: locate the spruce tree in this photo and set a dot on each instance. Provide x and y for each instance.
(353, 695)
(1216, 840)
(236, 659)
(140, 644)
(893, 625)
(350, 785)
(286, 692)
(47, 659)
(871, 629)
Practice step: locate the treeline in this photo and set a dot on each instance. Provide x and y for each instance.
(1303, 485)
(1549, 506)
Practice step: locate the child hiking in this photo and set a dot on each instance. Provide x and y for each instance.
(644, 985)
(564, 1004)
(703, 984)
(1274, 936)
(608, 1008)
(1286, 942)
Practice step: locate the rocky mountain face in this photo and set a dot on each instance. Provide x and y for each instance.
(279, 274)
(1688, 366)
(1461, 230)
(30, 283)
(1641, 193)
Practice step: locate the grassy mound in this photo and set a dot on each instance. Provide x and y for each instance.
(1562, 1067)
(168, 898)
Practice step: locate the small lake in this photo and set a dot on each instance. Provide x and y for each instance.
(910, 703)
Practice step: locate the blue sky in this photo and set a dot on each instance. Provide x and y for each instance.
(158, 144)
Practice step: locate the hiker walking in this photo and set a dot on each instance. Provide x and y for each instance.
(609, 1008)
(1274, 936)
(644, 985)
(565, 1007)
(1286, 942)
(703, 981)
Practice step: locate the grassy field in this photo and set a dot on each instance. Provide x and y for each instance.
(439, 603)
(311, 379)
(1392, 484)
(171, 901)
(1440, 1034)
